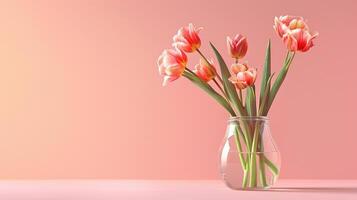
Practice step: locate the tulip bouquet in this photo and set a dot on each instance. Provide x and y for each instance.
(234, 87)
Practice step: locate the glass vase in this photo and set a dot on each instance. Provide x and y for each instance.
(249, 159)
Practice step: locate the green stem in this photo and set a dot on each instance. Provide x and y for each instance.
(247, 141)
(286, 57)
(204, 57)
(271, 166)
(190, 71)
(220, 79)
(253, 166)
(241, 96)
(279, 81)
(209, 90)
(240, 151)
(220, 88)
(214, 80)
(239, 148)
(262, 174)
(246, 138)
(247, 135)
(263, 160)
(245, 178)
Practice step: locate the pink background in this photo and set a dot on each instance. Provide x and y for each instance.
(81, 96)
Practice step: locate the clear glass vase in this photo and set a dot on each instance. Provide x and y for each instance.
(250, 159)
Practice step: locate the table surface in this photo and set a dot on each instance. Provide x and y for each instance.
(172, 190)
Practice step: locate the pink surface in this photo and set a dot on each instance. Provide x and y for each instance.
(174, 190)
(81, 96)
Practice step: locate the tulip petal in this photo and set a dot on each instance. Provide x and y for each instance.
(238, 67)
(290, 42)
(238, 37)
(309, 42)
(187, 38)
(168, 79)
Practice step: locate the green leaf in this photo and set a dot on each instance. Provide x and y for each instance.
(251, 102)
(262, 108)
(279, 79)
(266, 71)
(228, 86)
(207, 88)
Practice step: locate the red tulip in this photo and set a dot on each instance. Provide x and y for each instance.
(237, 48)
(294, 32)
(244, 79)
(205, 71)
(171, 63)
(187, 38)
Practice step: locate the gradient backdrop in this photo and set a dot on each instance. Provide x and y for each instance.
(81, 96)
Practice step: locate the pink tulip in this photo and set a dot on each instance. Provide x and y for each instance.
(244, 79)
(171, 63)
(237, 48)
(286, 23)
(187, 38)
(238, 67)
(299, 40)
(205, 71)
(294, 32)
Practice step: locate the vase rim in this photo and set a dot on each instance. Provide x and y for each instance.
(237, 118)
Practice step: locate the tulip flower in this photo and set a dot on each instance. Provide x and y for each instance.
(171, 63)
(299, 40)
(237, 48)
(287, 23)
(238, 67)
(187, 38)
(294, 32)
(205, 71)
(244, 79)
